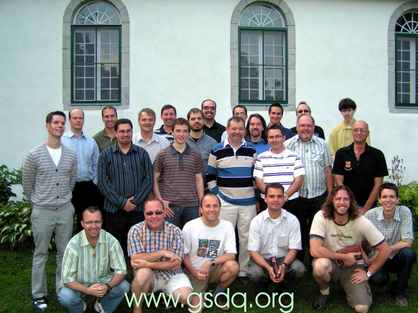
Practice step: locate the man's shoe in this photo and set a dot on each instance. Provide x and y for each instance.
(39, 304)
(98, 307)
(321, 302)
(401, 301)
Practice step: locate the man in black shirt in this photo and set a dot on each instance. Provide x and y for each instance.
(211, 127)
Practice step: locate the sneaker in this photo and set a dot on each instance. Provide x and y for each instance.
(401, 301)
(98, 307)
(320, 302)
(39, 304)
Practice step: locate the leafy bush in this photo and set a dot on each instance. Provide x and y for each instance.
(15, 224)
(7, 179)
(408, 195)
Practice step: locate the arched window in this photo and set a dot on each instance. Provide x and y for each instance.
(262, 56)
(97, 64)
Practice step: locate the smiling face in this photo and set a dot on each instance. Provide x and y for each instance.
(168, 116)
(275, 115)
(275, 199)
(181, 133)
(305, 127)
(154, 214)
(124, 134)
(255, 128)
(236, 132)
(210, 209)
(56, 127)
(302, 109)
(240, 112)
(388, 200)
(109, 118)
(275, 139)
(360, 132)
(341, 202)
(146, 122)
(209, 110)
(92, 224)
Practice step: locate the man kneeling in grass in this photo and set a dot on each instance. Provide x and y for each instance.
(93, 268)
(156, 248)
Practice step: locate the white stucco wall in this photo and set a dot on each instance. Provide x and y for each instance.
(180, 54)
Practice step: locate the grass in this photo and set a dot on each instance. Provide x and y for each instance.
(15, 295)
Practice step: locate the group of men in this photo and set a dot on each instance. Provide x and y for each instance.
(144, 188)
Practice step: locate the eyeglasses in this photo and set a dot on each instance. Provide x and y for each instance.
(154, 213)
(93, 223)
(303, 111)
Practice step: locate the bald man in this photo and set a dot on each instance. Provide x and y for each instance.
(360, 167)
(85, 191)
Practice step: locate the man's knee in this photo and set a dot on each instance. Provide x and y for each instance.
(142, 277)
(231, 267)
(322, 267)
(183, 294)
(361, 308)
(298, 268)
(68, 297)
(121, 289)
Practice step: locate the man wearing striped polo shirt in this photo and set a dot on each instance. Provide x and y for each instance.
(280, 165)
(230, 169)
(316, 159)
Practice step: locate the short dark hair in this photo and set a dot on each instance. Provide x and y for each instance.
(263, 122)
(147, 111)
(277, 105)
(274, 186)
(194, 111)
(347, 103)
(210, 194)
(123, 121)
(90, 209)
(390, 186)
(273, 126)
(241, 106)
(50, 115)
(107, 107)
(235, 119)
(181, 121)
(328, 208)
(168, 107)
(204, 100)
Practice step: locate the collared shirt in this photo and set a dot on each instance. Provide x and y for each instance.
(141, 239)
(400, 228)
(215, 131)
(121, 176)
(315, 158)
(87, 264)
(274, 237)
(87, 154)
(280, 168)
(342, 136)
(259, 146)
(103, 141)
(204, 146)
(359, 174)
(153, 146)
(161, 132)
(230, 173)
(178, 172)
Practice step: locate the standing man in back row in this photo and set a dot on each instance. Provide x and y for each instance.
(211, 128)
(168, 116)
(106, 137)
(48, 174)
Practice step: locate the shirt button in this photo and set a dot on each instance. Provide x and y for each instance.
(56, 170)
(58, 184)
(58, 197)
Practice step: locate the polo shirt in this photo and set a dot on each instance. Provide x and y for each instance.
(215, 131)
(274, 237)
(103, 141)
(87, 264)
(153, 146)
(161, 131)
(359, 174)
(178, 176)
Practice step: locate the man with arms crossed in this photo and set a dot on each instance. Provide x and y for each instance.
(337, 233)
(93, 265)
(395, 223)
(156, 248)
(274, 240)
(49, 173)
(210, 248)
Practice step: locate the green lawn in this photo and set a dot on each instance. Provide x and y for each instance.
(15, 272)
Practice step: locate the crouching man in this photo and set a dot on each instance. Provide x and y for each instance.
(210, 248)
(93, 268)
(336, 234)
(156, 249)
(274, 240)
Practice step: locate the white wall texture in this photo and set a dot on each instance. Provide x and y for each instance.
(180, 54)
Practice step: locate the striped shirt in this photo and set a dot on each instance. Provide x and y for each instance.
(87, 265)
(315, 158)
(280, 168)
(141, 239)
(230, 173)
(400, 228)
(45, 184)
(178, 176)
(121, 176)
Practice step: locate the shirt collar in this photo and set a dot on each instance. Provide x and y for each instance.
(396, 216)
(70, 134)
(133, 148)
(226, 142)
(154, 138)
(175, 152)
(266, 215)
(85, 242)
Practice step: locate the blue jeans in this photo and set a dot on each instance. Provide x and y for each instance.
(401, 264)
(183, 215)
(73, 300)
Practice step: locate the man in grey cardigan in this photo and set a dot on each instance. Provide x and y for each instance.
(49, 172)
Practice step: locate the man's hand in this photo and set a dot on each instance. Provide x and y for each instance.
(282, 272)
(272, 275)
(169, 255)
(139, 263)
(175, 263)
(129, 205)
(167, 210)
(97, 290)
(359, 276)
(351, 258)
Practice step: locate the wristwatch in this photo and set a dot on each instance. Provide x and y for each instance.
(369, 274)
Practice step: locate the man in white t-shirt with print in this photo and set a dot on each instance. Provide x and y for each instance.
(210, 248)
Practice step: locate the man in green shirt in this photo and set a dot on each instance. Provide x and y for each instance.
(93, 266)
(106, 137)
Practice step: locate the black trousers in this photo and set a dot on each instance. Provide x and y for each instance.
(85, 194)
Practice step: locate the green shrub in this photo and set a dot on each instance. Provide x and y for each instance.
(7, 179)
(15, 224)
(408, 195)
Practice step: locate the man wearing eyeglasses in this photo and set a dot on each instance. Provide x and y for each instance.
(304, 108)
(212, 128)
(156, 249)
(94, 268)
(360, 167)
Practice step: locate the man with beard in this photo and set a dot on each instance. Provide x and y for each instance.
(198, 140)
(106, 137)
(256, 137)
(168, 116)
(211, 127)
(146, 138)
